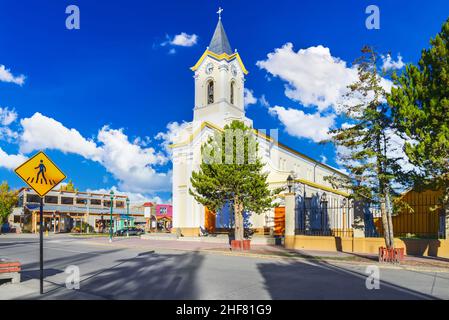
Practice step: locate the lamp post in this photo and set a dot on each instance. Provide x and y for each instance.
(343, 205)
(110, 224)
(290, 181)
(324, 217)
(127, 213)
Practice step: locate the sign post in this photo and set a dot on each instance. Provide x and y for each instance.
(41, 175)
(41, 246)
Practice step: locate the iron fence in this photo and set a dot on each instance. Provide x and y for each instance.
(315, 217)
(420, 218)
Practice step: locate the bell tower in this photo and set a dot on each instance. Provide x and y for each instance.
(219, 82)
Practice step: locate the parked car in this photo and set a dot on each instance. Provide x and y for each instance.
(133, 231)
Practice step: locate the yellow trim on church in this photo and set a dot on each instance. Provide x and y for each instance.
(219, 57)
(315, 185)
(260, 134)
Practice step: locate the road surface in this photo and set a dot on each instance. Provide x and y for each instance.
(146, 272)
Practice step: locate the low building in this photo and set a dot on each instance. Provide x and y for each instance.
(159, 217)
(65, 211)
(164, 217)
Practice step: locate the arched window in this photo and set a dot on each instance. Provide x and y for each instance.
(232, 91)
(210, 92)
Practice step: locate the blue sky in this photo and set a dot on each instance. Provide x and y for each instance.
(90, 95)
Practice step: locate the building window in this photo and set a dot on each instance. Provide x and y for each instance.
(81, 201)
(51, 199)
(210, 92)
(33, 198)
(66, 200)
(107, 203)
(232, 92)
(95, 202)
(119, 204)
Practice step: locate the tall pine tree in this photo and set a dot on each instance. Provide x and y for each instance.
(420, 106)
(231, 173)
(363, 144)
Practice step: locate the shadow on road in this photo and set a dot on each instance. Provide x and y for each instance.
(317, 279)
(147, 276)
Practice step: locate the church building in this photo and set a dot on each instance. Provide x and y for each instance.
(219, 77)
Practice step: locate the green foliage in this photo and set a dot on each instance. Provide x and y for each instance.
(68, 187)
(420, 107)
(363, 144)
(8, 199)
(231, 171)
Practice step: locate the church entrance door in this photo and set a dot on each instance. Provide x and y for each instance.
(209, 220)
(279, 221)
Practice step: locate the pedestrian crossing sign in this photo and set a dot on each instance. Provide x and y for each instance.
(40, 173)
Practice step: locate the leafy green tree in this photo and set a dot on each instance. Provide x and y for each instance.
(231, 172)
(70, 186)
(420, 107)
(8, 199)
(363, 144)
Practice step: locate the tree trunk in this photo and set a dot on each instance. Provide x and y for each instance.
(446, 213)
(390, 220)
(385, 224)
(238, 220)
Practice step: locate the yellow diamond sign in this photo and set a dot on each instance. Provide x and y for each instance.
(40, 173)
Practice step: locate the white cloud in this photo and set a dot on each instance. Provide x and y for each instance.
(134, 198)
(131, 164)
(8, 135)
(7, 116)
(302, 125)
(389, 64)
(172, 135)
(264, 102)
(128, 162)
(41, 132)
(7, 76)
(249, 97)
(184, 40)
(11, 161)
(323, 158)
(314, 77)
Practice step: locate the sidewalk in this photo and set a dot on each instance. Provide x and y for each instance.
(431, 264)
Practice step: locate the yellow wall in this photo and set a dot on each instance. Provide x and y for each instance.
(187, 232)
(416, 247)
(420, 219)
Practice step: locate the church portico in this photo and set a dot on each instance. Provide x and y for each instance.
(219, 99)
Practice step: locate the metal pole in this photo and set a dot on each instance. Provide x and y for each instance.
(110, 226)
(127, 226)
(41, 245)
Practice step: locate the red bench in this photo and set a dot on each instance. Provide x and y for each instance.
(10, 270)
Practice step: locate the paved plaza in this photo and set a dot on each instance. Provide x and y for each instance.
(149, 269)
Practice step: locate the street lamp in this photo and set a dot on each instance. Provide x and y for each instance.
(127, 211)
(343, 205)
(323, 197)
(290, 183)
(110, 224)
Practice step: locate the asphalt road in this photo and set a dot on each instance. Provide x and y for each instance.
(131, 273)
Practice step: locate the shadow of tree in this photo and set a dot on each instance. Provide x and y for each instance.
(315, 279)
(147, 276)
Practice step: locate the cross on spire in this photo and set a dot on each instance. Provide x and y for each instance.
(220, 10)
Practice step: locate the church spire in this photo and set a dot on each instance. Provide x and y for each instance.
(220, 43)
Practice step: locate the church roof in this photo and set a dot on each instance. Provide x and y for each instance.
(220, 43)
